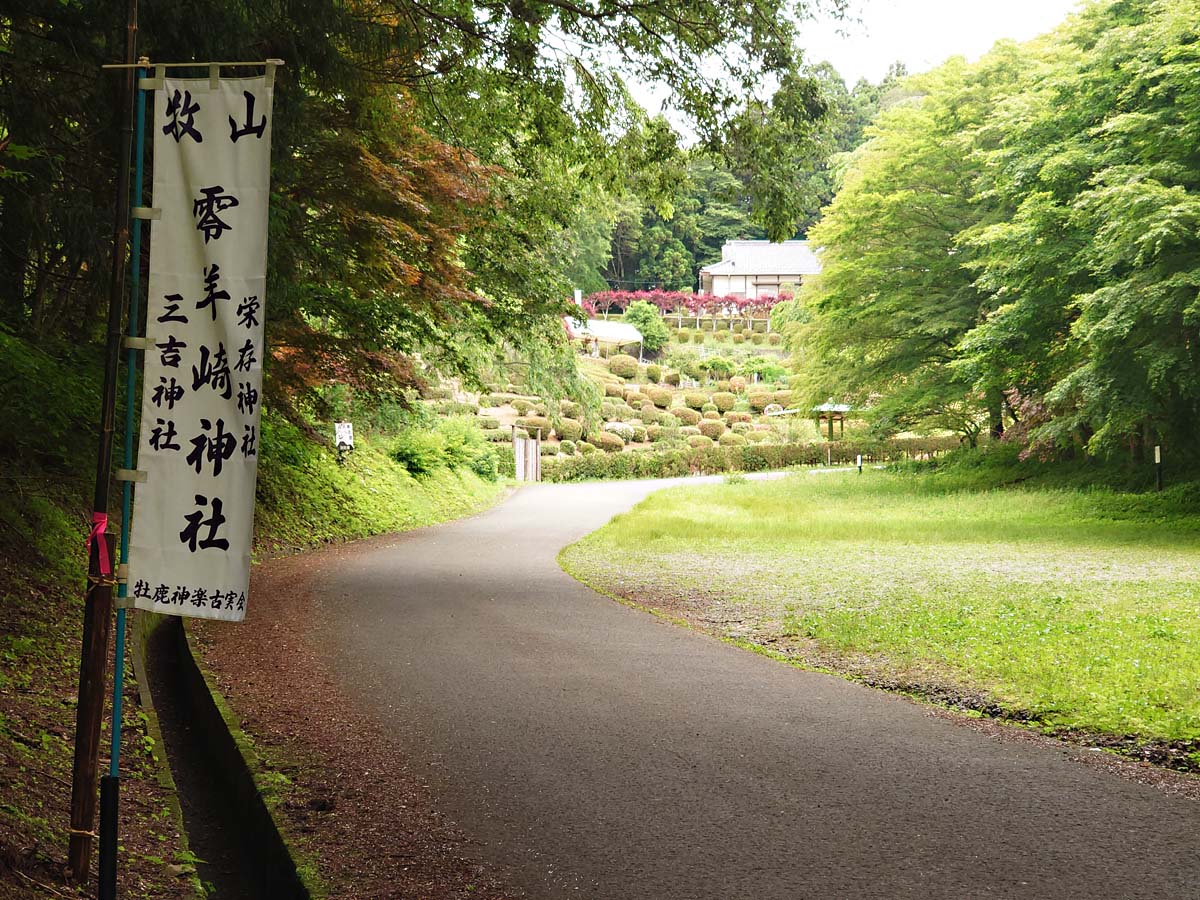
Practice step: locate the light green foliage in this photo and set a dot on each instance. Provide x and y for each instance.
(624, 366)
(648, 320)
(1033, 243)
(1079, 607)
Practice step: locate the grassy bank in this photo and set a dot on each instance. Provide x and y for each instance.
(1079, 608)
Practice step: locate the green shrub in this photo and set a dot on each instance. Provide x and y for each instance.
(569, 429)
(522, 407)
(722, 336)
(735, 416)
(607, 441)
(731, 439)
(737, 384)
(740, 427)
(711, 414)
(613, 390)
(500, 434)
(647, 318)
(437, 392)
(569, 410)
(660, 398)
(487, 423)
(698, 337)
(709, 407)
(585, 448)
(760, 400)
(567, 447)
(739, 338)
(671, 378)
(774, 339)
(623, 365)
(699, 441)
(654, 373)
(758, 437)
(724, 401)
(695, 400)
(683, 335)
(685, 415)
(621, 429)
(712, 428)
(420, 452)
(532, 423)
(757, 338)
(783, 398)
(654, 432)
(635, 399)
(639, 434)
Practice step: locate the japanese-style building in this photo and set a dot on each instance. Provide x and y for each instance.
(757, 269)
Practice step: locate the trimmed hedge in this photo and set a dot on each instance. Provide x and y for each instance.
(695, 400)
(760, 400)
(736, 458)
(654, 373)
(585, 448)
(671, 378)
(607, 441)
(685, 415)
(533, 423)
(731, 439)
(724, 401)
(783, 398)
(613, 390)
(623, 365)
(774, 339)
(711, 415)
(567, 447)
(737, 384)
(660, 398)
(487, 423)
(699, 441)
(734, 417)
(569, 430)
(712, 428)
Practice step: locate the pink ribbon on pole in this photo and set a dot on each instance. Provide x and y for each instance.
(99, 527)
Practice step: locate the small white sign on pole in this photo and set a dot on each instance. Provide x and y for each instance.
(343, 435)
(193, 518)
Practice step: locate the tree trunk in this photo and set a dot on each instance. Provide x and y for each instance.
(995, 407)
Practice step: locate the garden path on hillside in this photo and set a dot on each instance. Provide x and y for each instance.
(590, 750)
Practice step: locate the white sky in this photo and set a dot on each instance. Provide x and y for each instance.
(920, 33)
(923, 33)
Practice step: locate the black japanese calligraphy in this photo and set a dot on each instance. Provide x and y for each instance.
(250, 442)
(167, 392)
(246, 357)
(214, 373)
(247, 398)
(141, 590)
(168, 352)
(162, 436)
(172, 312)
(214, 448)
(190, 535)
(238, 131)
(181, 112)
(205, 210)
(212, 292)
(248, 312)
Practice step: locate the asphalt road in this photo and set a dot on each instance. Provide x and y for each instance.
(602, 753)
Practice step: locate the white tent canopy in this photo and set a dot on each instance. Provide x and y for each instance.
(615, 333)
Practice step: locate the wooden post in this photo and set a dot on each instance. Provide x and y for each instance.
(98, 600)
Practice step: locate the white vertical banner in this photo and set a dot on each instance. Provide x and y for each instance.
(193, 516)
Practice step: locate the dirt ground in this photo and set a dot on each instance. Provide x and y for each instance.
(40, 634)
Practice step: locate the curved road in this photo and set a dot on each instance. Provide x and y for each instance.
(601, 753)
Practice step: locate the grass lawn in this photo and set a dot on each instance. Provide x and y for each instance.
(1081, 608)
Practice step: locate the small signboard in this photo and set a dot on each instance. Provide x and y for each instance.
(343, 435)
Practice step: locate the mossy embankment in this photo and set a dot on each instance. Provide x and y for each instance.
(47, 462)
